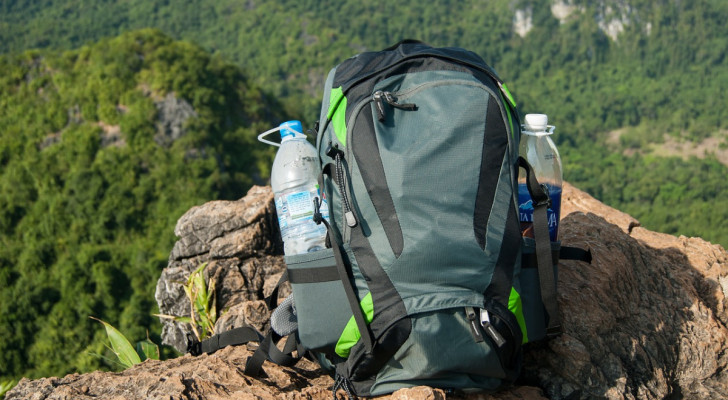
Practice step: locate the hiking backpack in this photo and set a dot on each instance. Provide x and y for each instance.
(426, 279)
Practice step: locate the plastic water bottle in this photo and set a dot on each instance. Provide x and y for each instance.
(539, 150)
(294, 179)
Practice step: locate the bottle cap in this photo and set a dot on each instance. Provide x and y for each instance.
(536, 122)
(291, 129)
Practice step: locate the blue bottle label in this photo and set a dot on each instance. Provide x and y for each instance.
(525, 210)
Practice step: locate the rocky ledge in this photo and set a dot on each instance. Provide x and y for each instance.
(645, 320)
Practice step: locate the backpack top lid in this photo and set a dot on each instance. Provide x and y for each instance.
(366, 64)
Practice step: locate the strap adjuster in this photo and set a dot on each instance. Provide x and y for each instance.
(317, 216)
(553, 331)
(543, 198)
(194, 346)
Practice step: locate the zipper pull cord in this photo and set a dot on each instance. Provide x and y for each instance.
(402, 106)
(381, 97)
(342, 382)
(338, 155)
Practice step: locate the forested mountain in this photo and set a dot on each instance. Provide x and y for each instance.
(94, 170)
(102, 149)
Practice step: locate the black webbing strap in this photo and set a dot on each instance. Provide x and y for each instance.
(343, 271)
(356, 310)
(233, 337)
(267, 350)
(564, 253)
(313, 275)
(541, 202)
(575, 253)
(366, 336)
(272, 300)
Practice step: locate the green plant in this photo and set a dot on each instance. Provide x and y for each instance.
(5, 387)
(125, 353)
(203, 305)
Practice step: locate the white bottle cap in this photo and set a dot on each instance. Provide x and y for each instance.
(536, 122)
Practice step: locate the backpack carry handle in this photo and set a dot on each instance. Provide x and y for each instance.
(405, 41)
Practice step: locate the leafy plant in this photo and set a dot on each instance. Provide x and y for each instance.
(203, 304)
(125, 353)
(5, 387)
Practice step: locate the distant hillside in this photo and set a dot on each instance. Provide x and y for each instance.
(102, 149)
(105, 139)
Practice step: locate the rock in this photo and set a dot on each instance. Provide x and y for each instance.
(240, 243)
(645, 320)
(173, 113)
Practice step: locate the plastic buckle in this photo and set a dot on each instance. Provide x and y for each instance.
(553, 331)
(317, 216)
(541, 201)
(194, 346)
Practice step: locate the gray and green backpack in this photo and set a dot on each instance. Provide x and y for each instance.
(427, 280)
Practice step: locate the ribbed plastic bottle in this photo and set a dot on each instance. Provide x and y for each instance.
(539, 150)
(294, 179)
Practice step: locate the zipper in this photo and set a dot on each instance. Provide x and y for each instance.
(474, 323)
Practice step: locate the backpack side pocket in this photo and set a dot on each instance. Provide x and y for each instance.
(320, 303)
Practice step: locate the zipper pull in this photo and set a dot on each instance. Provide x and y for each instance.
(379, 106)
(381, 97)
(402, 106)
(474, 324)
(490, 329)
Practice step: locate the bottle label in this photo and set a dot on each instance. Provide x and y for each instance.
(300, 205)
(295, 214)
(525, 210)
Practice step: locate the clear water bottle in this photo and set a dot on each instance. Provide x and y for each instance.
(294, 179)
(539, 150)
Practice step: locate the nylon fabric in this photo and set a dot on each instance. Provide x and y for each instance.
(430, 175)
(446, 128)
(438, 352)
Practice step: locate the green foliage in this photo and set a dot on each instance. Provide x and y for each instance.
(126, 354)
(91, 194)
(203, 304)
(5, 387)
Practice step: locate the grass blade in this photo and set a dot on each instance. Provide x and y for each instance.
(5, 387)
(124, 351)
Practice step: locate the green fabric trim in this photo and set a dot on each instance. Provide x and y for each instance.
(508, 94)
(351, 334)
(510, 119)
(516, 307)
(337, 113)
